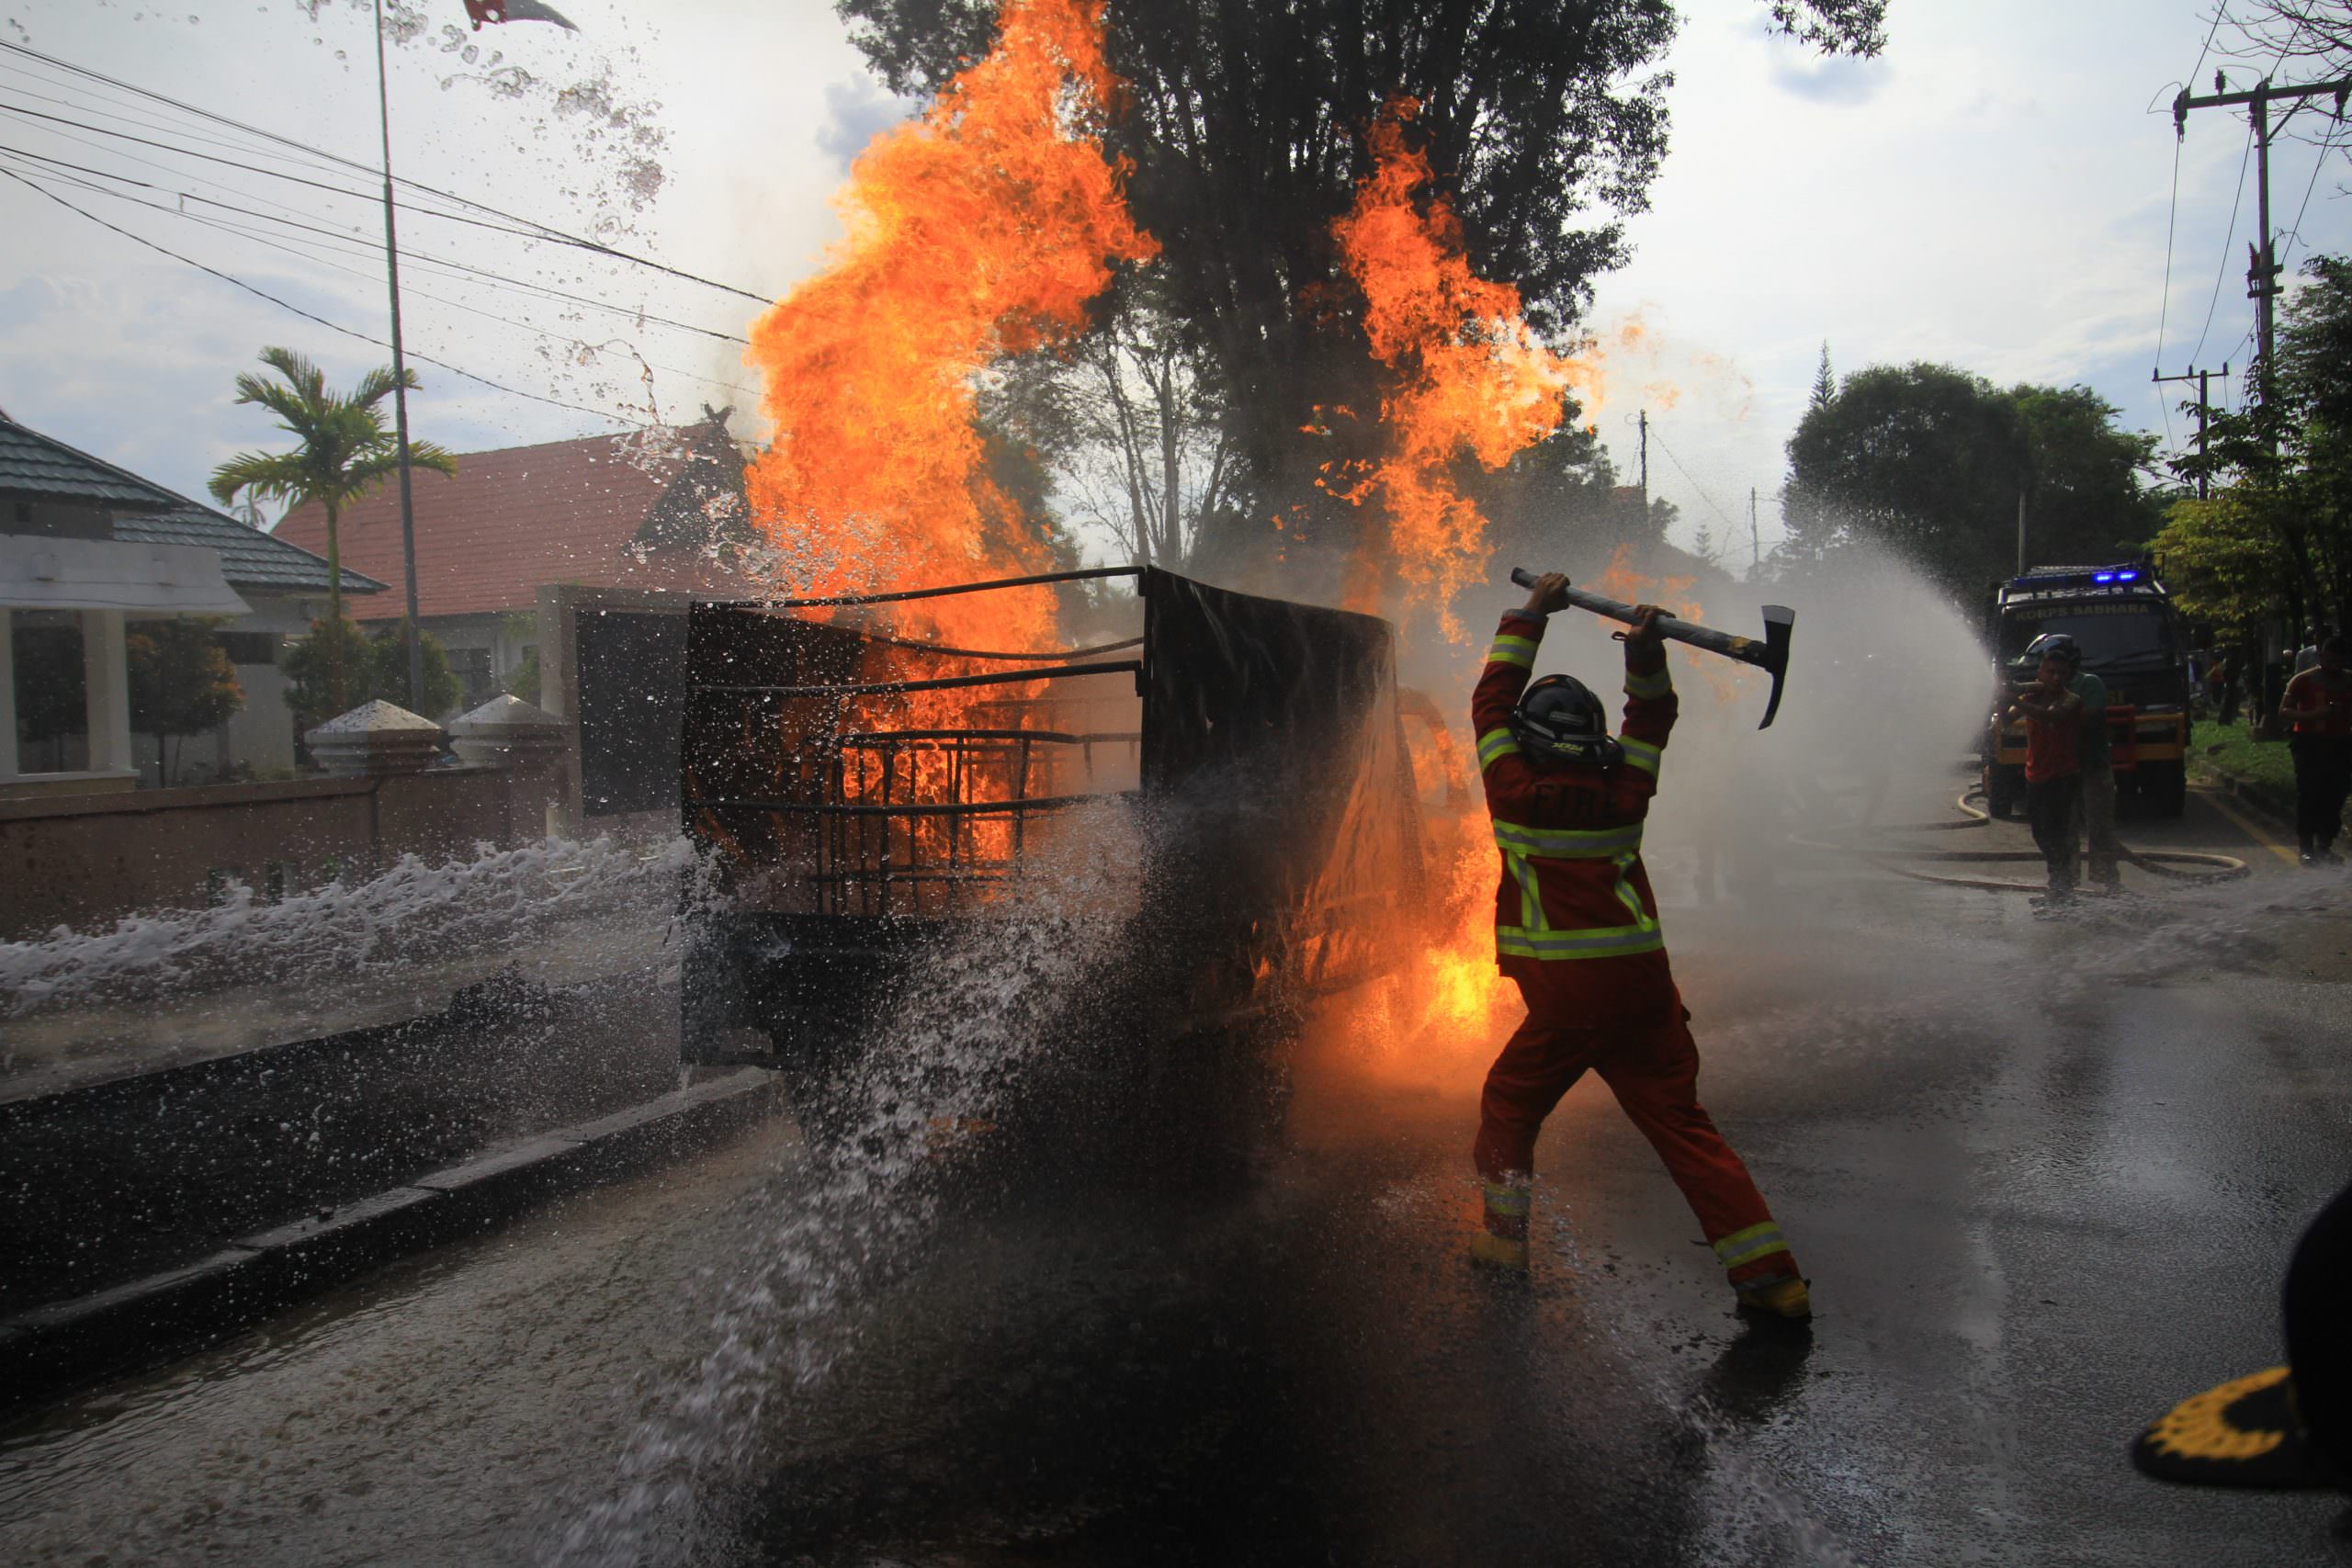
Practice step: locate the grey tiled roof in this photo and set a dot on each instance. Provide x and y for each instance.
(34, 464)
(249, 558)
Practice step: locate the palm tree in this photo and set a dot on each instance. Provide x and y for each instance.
(345, 452)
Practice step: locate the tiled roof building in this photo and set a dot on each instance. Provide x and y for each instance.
(603, 510)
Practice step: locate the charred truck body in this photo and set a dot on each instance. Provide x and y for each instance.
(2124, 621)
(1228, 795)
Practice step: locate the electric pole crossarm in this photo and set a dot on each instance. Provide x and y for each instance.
(2341, 89)
(2262, 258)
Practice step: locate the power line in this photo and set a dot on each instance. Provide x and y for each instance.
(107, 109)
(256, 169)
(545, 230)
(307, 315)
(1694, 483)
(2295, 233)
(2172, 215)
(2245, 158)
(360, 249)
(513, 284)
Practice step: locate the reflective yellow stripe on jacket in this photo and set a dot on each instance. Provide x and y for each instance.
(1495, 745)
(1533, 937)
(1509, 649)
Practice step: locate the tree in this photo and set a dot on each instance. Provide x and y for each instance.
(375, 668)
(2090, 500)
(344, 452)
(1931, 461)
(1928, 460)
(2284, 465)
(1245, 124)
(181, 684)
(2223, 561)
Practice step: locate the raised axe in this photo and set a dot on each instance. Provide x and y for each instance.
(1770, 655)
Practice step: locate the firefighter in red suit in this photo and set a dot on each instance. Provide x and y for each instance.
(1577, 928)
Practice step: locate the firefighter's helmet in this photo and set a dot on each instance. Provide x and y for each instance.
(1559, 721)
(2054, 645)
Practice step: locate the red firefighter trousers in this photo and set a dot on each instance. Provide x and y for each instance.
(1654, 1073)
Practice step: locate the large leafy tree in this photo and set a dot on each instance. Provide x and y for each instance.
(1245, 121)
(1932, 461)
(344, 451)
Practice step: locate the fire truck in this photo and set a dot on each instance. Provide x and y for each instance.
(2131, 636)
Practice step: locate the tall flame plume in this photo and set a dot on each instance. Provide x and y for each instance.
(981, 229)
(1469, 376)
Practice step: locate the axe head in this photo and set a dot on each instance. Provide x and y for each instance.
(1780, 625)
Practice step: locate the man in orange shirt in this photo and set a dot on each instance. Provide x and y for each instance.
(1576, 929)
(2318, 703)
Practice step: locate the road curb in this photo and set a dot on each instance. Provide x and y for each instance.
(48, 1351)
(2276, 807)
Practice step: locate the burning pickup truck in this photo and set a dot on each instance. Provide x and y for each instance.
(1237, 776)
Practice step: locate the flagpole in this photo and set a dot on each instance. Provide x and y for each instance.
(399, 383)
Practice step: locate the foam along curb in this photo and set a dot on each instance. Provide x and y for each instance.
(51, 1349)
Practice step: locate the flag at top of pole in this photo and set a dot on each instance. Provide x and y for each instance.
(515, 11)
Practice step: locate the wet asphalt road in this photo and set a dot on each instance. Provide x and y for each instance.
(2044, 1177)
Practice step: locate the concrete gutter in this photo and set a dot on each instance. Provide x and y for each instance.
(51, 1349)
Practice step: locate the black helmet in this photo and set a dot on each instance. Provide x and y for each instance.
(1559, 721)
(2054, 645)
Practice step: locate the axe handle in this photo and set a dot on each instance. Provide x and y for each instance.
(1747, 651)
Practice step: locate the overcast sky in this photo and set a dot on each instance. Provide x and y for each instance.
(1995, 192)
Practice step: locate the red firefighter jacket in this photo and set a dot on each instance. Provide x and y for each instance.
(1576, 922)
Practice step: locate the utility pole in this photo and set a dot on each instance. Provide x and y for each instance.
(1646, 469)
(2021, 533)
(2262, 268)
(2204, 411)
(399, 383)
(1755, 540)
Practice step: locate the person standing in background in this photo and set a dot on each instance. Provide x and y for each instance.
(2318, 703)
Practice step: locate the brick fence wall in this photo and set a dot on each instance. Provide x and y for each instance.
(84, 860)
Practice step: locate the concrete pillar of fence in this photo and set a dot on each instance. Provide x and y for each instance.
(374, 739)
(509, 733)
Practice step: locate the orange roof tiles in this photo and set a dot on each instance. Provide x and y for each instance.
(517, 518)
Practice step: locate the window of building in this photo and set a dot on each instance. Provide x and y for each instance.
(249, 648)
(471, 667)
(53, 693)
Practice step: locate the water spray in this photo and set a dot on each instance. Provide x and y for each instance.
(1771, 655)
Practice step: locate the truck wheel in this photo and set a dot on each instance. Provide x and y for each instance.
(2165, 784)
(2000, 793)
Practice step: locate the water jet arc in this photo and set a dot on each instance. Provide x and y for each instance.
(1771, 655)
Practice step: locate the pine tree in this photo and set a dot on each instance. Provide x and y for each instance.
(1825, 382)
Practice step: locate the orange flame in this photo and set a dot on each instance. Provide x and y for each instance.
(1470, 375)
(981, 229)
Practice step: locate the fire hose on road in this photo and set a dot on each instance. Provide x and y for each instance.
(2158, 863)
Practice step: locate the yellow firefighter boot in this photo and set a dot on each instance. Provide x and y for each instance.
(1501, 1240)
(1782, 1296)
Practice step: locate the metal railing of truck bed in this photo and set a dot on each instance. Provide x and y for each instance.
(875, 802)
